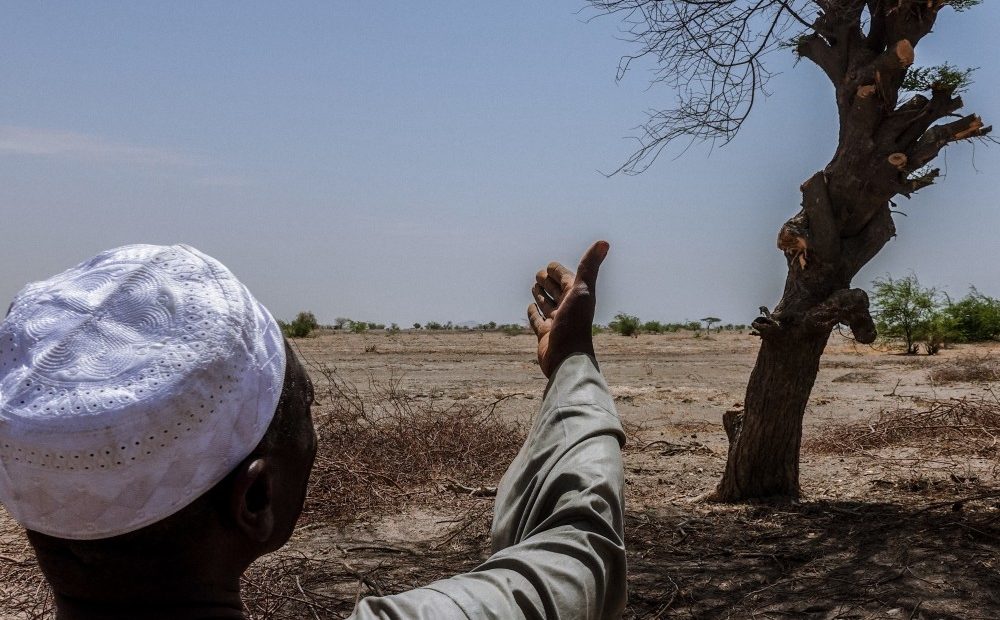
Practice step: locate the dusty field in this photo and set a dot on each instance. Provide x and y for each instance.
(906, 530)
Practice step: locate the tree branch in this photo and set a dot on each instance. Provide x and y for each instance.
(823, 232)
(862, 247)
(904, 126)
(877, 28)
(939, 136)
(847, 306)
(815, 48)
(911, 19)
(710, 52)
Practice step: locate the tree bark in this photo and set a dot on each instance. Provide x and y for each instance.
(765, 438)
(764, 450)
(844, 222)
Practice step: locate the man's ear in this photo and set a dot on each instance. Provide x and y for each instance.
(252, 500)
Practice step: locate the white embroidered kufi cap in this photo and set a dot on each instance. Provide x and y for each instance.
(130, 385)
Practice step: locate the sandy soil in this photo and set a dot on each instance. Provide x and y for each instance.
(878, 534)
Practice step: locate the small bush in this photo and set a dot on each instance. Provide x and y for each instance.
(303, 325)
(359, 327)
(512, 329)
(653, 327)
(625, 325)
(975, 317)
(905, 310)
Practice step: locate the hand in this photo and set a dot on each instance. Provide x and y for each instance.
(563, 313)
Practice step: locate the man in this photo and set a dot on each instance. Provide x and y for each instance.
(156, 438)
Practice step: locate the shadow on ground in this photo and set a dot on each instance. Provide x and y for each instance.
(816, 560)
(822, 559)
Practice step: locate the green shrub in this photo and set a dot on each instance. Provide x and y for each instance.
(625, 324)
(653, 327)
(358, 327)
(975, 317)
(904, 309)
(300, 327)
(512, 329)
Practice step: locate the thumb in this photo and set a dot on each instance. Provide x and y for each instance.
(591, 263)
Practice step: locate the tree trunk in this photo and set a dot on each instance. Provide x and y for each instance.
(765, 437)
(845, 221)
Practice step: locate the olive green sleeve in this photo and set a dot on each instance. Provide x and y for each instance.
(558, 543)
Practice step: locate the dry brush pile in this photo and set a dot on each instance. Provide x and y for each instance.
(967, 369)
(381, 446)
(966, 426)
(958, 436)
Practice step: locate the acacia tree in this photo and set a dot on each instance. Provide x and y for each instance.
(893, 124)
(904, 309)
(708, 320)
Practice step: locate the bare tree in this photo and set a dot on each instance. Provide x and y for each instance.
(894, 120)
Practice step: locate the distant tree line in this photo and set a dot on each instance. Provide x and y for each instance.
(630, 325)
(920, 317)
(305, 323)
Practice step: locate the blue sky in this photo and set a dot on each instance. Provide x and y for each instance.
(419, 161)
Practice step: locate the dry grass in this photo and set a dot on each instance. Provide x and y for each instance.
(24, 594)
(967, 369)
(380, 446)
(965, 426)
(328, 580)
(383, 451)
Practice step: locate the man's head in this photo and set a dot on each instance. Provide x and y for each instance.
(154, 425)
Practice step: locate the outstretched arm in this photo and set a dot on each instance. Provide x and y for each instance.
(558, 537)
